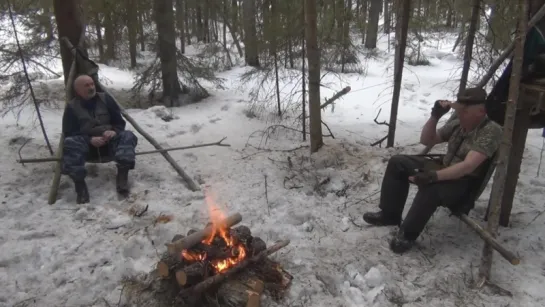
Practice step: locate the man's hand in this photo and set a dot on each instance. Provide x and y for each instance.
(440, 108)
(98, 141)
(423, 178)
(108, 135)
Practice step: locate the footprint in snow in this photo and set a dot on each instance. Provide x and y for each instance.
(196, 128)
(177, 133)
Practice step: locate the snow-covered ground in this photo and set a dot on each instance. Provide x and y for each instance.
(76, 255)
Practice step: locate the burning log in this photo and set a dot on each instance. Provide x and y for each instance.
(175, 248)
(242, 234)
(216, 279)
(191, 274)
(258, 245)
(243, 293)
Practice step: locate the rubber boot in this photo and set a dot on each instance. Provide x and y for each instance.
(82, 194)
(122, 180)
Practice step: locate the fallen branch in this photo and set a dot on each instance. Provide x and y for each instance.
(339, 94)
(383, 123)
(53, 159)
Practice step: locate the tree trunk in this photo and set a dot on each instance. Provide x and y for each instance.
(109, 36)
(250, 37)
(372, 27)
(141, 34)
(402, 27)
(132, 24)
(100, 42)
(387, 19)
(468, 53)
(313, 57)
(164, 18)
(180, 20)
(505, 147)
(69, 24)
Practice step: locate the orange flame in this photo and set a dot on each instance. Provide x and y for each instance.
(219, 228)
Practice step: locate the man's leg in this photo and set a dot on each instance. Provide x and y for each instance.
(75, 151)
(123, 147)
(394, 189)
(426, 201)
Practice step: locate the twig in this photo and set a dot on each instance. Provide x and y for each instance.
(381, 123)
(535, 218)
(379, 142)
(262, 150)
(139, 214)
(541, 156)
(21, 148)
(327, 127)
(120, 295)
(267, 195)
(28, 79)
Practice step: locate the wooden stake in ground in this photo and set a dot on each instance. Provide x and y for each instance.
(402, 28)
(505, 147)
(313, 56)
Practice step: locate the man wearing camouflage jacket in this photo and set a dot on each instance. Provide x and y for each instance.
(473, 140)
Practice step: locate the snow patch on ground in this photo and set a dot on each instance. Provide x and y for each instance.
(73, 255)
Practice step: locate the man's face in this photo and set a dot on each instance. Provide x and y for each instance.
(469, 113)
(86, 88)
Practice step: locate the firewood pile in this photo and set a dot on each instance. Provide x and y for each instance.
(222, 265)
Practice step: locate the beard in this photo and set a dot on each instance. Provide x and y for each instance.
(91, 93)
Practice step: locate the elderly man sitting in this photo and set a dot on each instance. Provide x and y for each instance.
(472, 140)
(92, 123)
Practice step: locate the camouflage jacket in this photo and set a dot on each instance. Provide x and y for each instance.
(485, 139)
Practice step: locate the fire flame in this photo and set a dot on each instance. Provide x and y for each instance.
(219, 229)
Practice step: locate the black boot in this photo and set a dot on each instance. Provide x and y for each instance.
(82, 194)
(400, 244)
(122, 180)
(380, 219)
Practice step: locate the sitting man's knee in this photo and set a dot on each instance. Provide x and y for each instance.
(77, 142)
(398, 159)
(127, 136)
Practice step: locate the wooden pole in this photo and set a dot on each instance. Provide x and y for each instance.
(505, 147)
(489, 239)
(53, 190)
(57, 159)
(189, 181)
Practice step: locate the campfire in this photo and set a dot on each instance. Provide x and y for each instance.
(223, 264)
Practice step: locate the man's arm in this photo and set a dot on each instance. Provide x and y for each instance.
(117, 121)
(466, 167)
(429, 135)
(70, 123)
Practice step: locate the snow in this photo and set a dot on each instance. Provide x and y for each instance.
(77, 255)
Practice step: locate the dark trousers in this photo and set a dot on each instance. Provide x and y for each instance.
(395, 189)
(77, 149)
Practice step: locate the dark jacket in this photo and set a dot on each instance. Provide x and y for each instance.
(83, 117)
